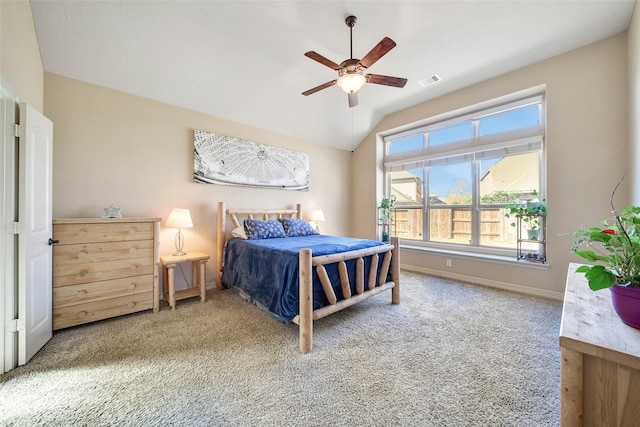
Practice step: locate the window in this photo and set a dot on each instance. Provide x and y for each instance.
(453, 176)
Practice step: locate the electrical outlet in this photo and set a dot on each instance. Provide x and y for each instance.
(448, 263)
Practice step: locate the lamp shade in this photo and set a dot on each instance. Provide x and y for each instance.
(351, 83)
(317, 215)
(179, 218)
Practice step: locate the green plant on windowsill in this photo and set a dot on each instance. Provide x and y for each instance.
(384, 215)
(529, 212)
(386, 204)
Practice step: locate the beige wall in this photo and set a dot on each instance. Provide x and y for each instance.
(587, 149)
(136, 153)
(634, 104)
(115, 148)
(21, 68)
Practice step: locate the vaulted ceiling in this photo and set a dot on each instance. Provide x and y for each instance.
(244, 60)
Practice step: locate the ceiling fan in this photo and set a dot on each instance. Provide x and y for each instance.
(350, 71)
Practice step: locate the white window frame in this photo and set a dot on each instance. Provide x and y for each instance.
(518, 141)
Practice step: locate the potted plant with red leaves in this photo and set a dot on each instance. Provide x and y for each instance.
(614, 250)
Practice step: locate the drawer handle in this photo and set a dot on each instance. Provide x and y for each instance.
(82, 314)
(131, 287)
(82, 293)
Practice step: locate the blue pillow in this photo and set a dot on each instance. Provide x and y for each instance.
(297, 227)
(256, 229)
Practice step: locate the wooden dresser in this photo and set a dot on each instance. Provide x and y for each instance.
(104, 268)
(600, 360)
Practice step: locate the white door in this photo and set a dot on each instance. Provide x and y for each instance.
(35, 219)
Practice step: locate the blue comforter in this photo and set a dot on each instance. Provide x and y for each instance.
(266, 271)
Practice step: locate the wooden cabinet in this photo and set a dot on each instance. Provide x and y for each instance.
(600, 360)
(104, 268)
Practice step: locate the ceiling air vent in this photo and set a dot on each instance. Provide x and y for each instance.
(430, 80)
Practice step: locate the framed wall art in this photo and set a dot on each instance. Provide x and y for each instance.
(224, 160)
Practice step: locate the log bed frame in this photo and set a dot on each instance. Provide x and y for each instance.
(307, 315)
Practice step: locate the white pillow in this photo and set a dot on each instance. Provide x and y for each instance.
(239, 233)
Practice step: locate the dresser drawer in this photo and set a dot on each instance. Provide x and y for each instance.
(109, 232)
(97, 271)
(72, 315)
(90, 292)
(96, 252)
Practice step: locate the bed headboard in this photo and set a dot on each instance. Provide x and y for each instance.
(237, 217)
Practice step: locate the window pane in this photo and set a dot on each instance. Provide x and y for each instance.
(503, 181)
(410, 143)
(450, 184)
(495, 230)
(506, 179)
(407, 187)
(451, 134)
(510, 120)
(450, 224)
(450, 203)
(407, 223)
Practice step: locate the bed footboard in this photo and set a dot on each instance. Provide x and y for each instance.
(307, 315)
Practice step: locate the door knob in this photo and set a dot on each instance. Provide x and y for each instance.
(53, 242)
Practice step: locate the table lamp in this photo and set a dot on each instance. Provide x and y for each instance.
(179, 218)
(317, 216)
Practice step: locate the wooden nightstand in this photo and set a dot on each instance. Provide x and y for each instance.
(198, 282)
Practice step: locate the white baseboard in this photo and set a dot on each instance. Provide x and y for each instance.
(486, 282)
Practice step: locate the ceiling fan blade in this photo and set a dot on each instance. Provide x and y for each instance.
(321, 59)
(386, 80)
(353, 99)
(317, 88)
(381, 49)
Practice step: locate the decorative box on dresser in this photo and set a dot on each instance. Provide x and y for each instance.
(600, 360)
(104, 267)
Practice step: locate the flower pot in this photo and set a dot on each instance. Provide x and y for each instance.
(626, 302)
(532, 205)
(533, 234)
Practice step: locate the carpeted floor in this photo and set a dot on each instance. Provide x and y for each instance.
(451, 354)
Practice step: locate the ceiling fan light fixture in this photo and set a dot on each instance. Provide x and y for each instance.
(351, 75)
(351, 83)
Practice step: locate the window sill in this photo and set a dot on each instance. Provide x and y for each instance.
(477, 256)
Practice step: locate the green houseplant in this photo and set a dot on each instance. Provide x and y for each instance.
(614, 251)
(529, 213)
(614, 248)
(384, 215)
